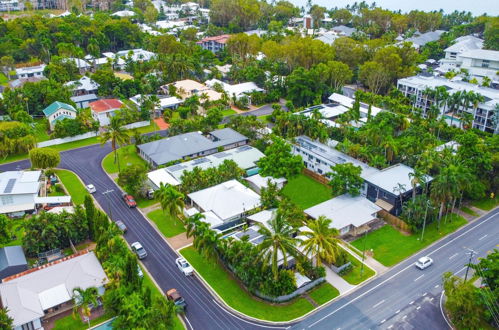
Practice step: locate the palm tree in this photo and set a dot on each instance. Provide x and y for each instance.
(171, 201)
(321, 241)
(417, 178)
(445, 187)
(117, 135)
(277, 243)
(82, 299)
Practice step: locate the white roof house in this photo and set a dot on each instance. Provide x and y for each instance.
(124, 13)
(228, 200)
(30, 71)
(138, 54)
(84, 85)
(258, 182)
(161, 176)
(164, 102)
(29, 295)
(345, 211)
(238, 90)
(391, 177)
(328, 37)
(18, 190)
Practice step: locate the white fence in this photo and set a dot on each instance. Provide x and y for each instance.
(55, 142)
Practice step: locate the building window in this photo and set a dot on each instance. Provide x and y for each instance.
(6, 200)
(485, 63)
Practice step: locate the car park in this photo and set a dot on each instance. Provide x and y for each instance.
(177, 299)
(424, 262)
(184, 266)
(129, 200)
(121, 226)
(139, 250)
(90, 188)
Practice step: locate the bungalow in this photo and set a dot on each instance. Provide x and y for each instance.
(104, 109)
(83, 86)
(257, 182)
(187, 88)
(58, 111)
(136, 55)
(237, 91)
(30, 71)
(165, 102)
(349, 214)
(225, 204)
(12, 261)
(82, 65)
(33, 296)
(214, 44)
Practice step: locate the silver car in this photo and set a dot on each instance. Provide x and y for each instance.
(424, 262)
(139, 250)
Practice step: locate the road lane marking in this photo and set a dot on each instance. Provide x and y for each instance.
(453, 256)
(376, 305)
(249, 322)
(431, 299)
(424, 294)
(397, 311)
(417, 308)
(482, 237)
(402, 270)
(404, 317)
(188, 322)
(412, 302)
(417, 278)
(391, 326)
(383, 321)
(436, 286)
(442, 310)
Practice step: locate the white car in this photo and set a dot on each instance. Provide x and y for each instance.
(424, 262)
(184, 266)
(91, 188)
(139, 250)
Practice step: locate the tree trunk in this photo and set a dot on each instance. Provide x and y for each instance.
(440, 213)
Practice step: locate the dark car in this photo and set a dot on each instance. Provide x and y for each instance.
(121, 226)
(177, 299)
(129, 200)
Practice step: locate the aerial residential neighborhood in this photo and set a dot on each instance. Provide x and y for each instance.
(249, 164)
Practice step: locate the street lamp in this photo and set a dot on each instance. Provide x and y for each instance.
(105, 193)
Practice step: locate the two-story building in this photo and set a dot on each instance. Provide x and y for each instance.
(481, 63)
(103, 110)
(214, 44)
(461, 45)
(58, 111)
(30, 71)
(18, 191)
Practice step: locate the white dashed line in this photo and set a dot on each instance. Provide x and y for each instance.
(391, 326)
(404, 317)
(424, 294)
(431, 299)
(417, 308)
(382, 301)
(382, 321)
(482, 237)
(397, 311)
(417, 278)
(453, 256)
(436, 286)
(412, 302)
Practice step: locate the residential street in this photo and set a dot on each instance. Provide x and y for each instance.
(402, 298)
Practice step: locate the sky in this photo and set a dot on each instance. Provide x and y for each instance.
(476, 7)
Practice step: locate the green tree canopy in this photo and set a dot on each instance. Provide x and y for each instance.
(279, 161)
(345, 178)
(44, 158)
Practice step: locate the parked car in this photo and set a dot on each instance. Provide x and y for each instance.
(150, 194)
(177, 299)
(139, 250)
(130, 202)
(184, 266)
(424, 262)
(90, 188)
(121, 226)
(139, 271)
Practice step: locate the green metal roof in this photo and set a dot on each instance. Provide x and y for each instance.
(56, 106)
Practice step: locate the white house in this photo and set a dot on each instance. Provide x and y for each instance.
(481, 63)
(124, 13)
(189, 7)
(103, 110)
(137, 55)
(257, 182)
(30, 71)
(461, 45)
(58, 111)
(18, 190)
(83, 86)
(236, 91)
(36, 294)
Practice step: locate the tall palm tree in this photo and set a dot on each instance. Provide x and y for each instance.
(321, 241)
(278, 242)
(171, 201)
(417, 178)
(115, 133)
(445, 187)
(82, 299)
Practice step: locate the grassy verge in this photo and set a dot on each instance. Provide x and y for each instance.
(306, 192)
(127, 156)
(486, 203)
(228, 112)
(238, 298)
(323, 293)
(390, 246)
(167, 226)
(469, 211)
(353, 276)
(41, 130)
(3, 79)
(73, 185)
(69, 322)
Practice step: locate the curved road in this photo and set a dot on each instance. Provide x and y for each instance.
(402, 298)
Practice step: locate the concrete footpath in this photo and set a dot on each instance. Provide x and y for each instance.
(338, 282)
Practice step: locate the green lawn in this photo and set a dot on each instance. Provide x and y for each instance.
(127, 156)
(70, 323)
(323, 293)
(73, 185)
(228, 112)
(17, 230)
(166, 225)
(3, 79)
(390, 246)
(144, 202)
(265, 118)
(353, 277)
(469, 211)
(152, 127)
(486, 203)
(41, 130)
(306, 192)
(238, 298)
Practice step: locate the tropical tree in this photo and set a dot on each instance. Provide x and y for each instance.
(82, 299)
(171, 201)
(5, 233)
(117, 135)
(445, 187)
(279, 161)
(321, 241)
(278, 243)
(6, 322)
(44, 158)
(345, 178)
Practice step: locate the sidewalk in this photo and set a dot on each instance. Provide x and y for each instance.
(336, 281)
(370, 261)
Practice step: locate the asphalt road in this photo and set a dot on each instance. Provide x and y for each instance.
(403, 298)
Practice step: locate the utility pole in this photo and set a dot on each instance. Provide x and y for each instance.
(471, 253)
(106, 193)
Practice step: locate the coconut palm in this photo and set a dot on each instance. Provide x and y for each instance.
(321, 241)
(445, 187)
(115, 133)
(278, 242)
(171, 201)
(82, 299)
(417, 178)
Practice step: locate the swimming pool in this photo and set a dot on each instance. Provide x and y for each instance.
(105, 326)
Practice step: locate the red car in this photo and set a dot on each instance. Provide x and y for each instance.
(129, 200)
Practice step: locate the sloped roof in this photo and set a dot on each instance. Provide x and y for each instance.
(482, 54)
(19, 182)
(51, 109)
(389, 178)
(85, 83)
(61, 117)
(464, 44)
(222, 39)
(424, 38)
(12, 256)
(105, 105)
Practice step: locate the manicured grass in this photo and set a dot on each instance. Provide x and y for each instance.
(17, 230)
(41, 130)
(469, 211)
(145, 202)
(323, 293)
(166, 225)
(69, 322)
(306, 192)
(486, 203)
(228, 112)
(265, 118)
(152, 127)
(353, 276)
(390, 246)
(3, 79)
(237, 297)
(127, 156)
(73, 185)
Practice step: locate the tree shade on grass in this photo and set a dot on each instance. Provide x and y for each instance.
(237, 297)
(17, 231)
(486, 203)
(353, 277)
(323, 293)
(166, 225)
(390, 246)
(68, 322)
(305, 192)
(127, 156)
(228, 112)
(469, 211)
(73, 185)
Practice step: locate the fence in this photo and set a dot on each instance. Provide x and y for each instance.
(137, 124)
(394, 221)
(292, 295)
(315, 176)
